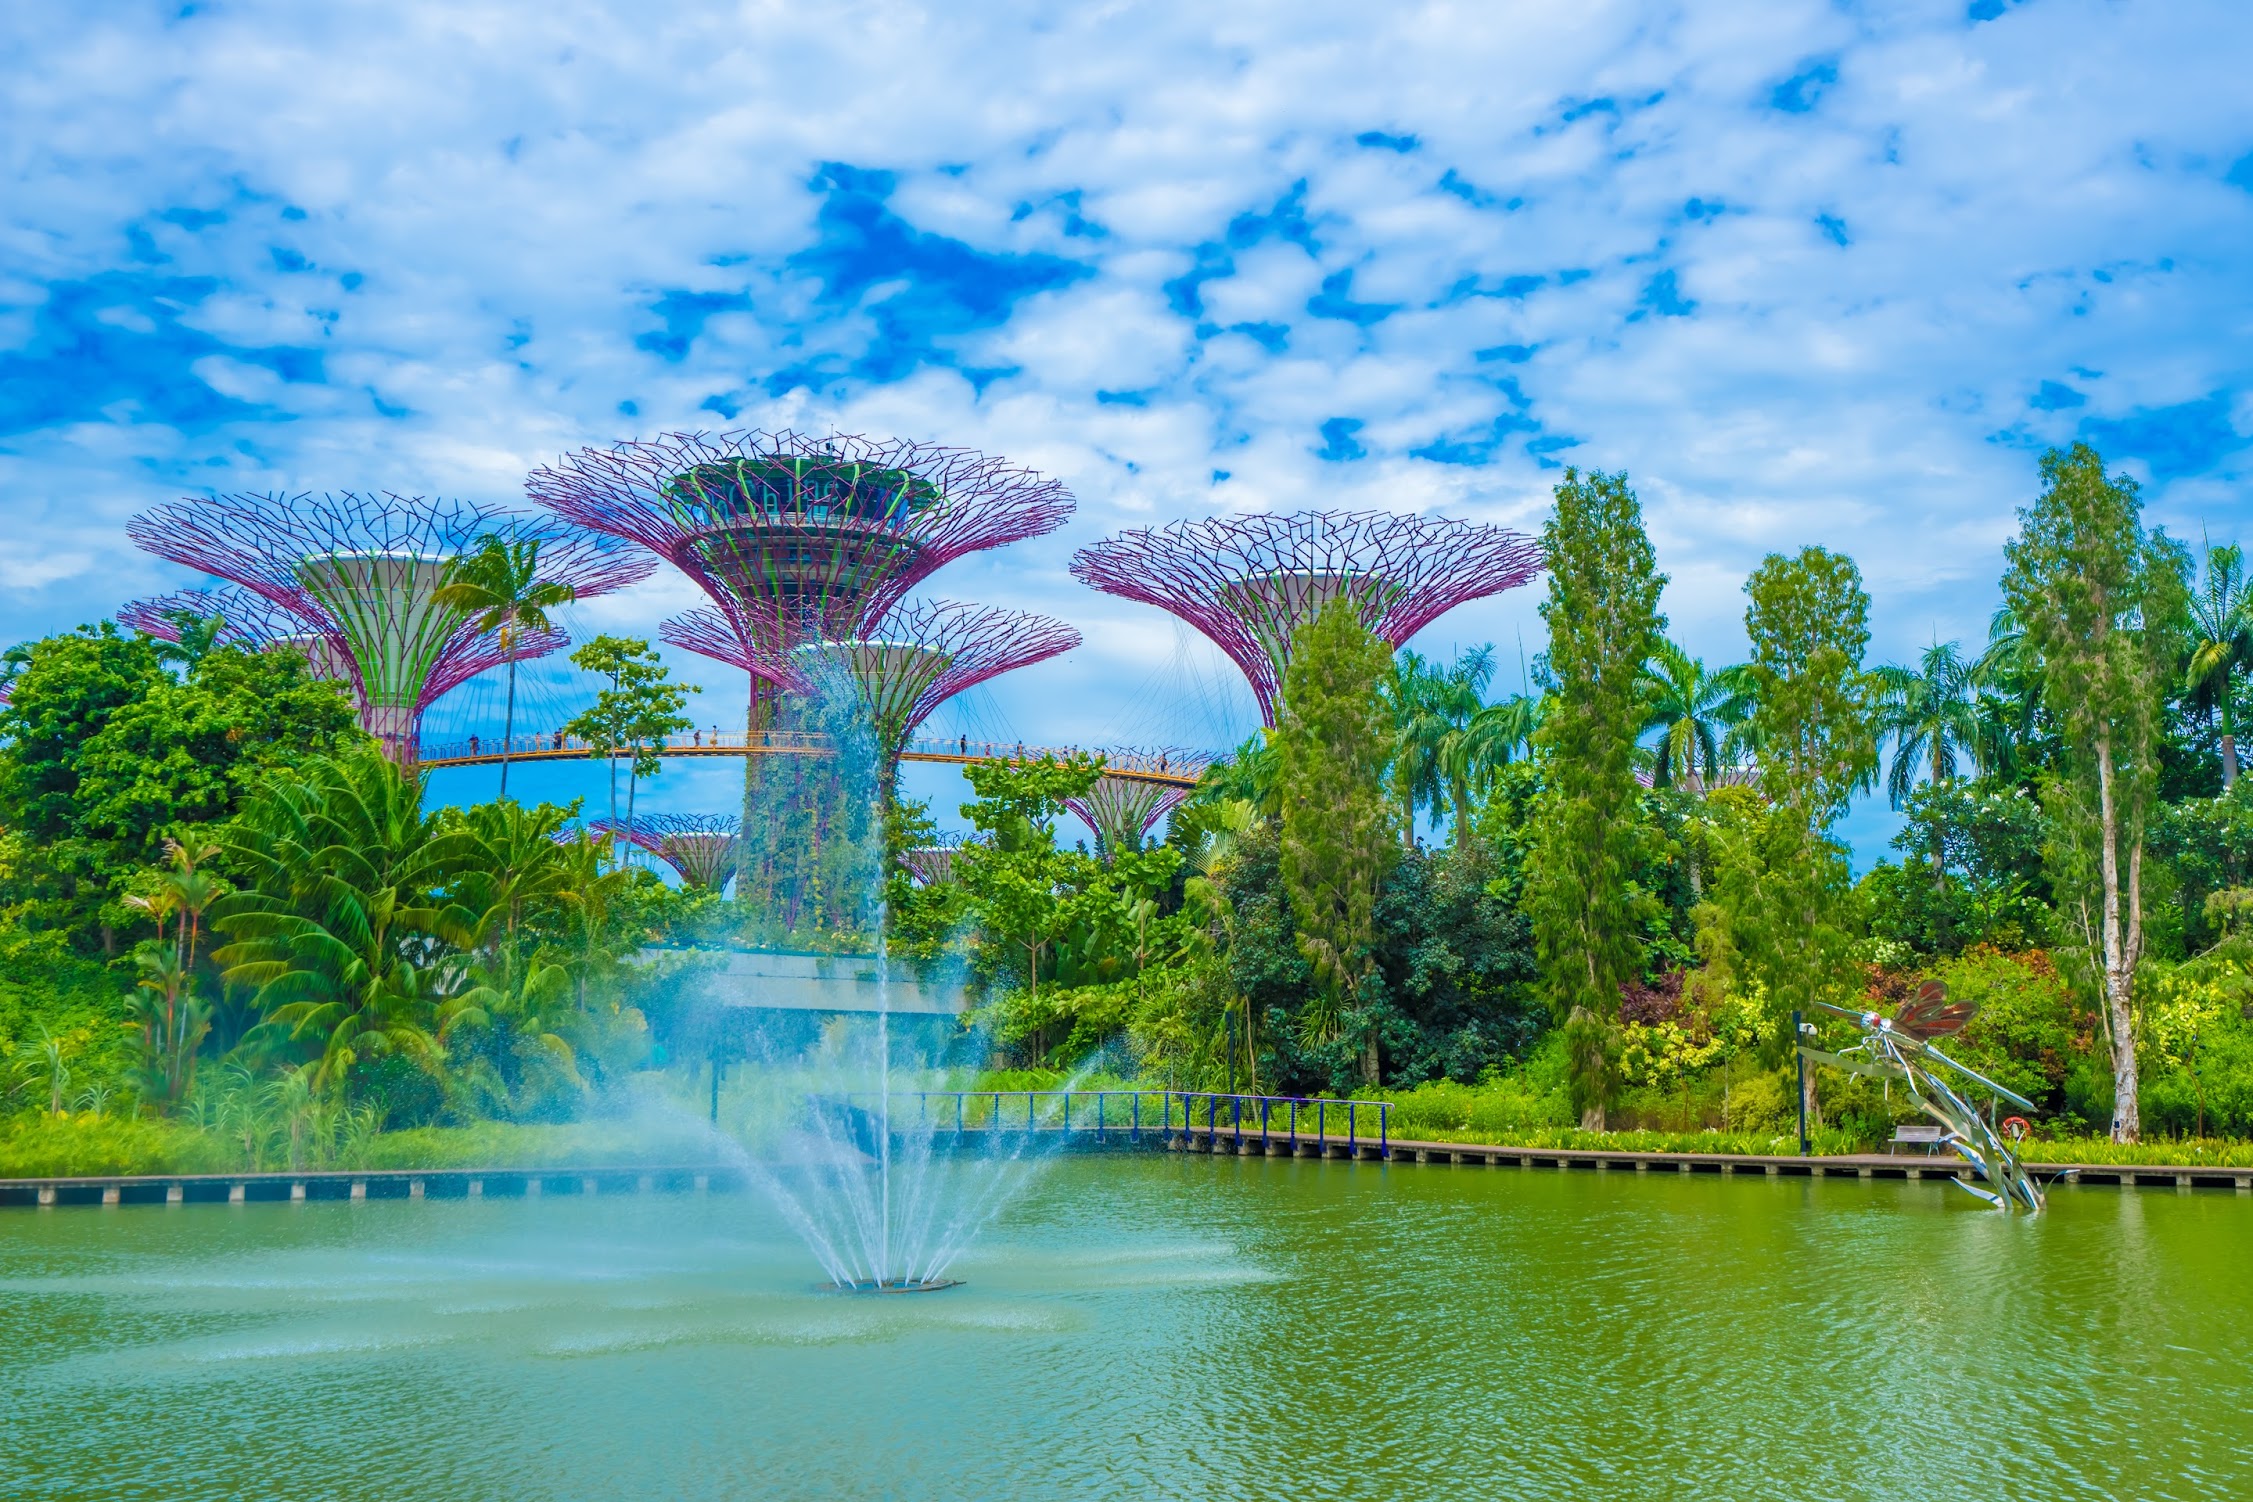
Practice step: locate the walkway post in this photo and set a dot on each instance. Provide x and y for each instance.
(1800, 1060)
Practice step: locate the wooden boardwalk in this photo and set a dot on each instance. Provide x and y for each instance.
(1224, 1140)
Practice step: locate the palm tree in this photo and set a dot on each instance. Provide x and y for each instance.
(1932, 712)
(1470, 757)
(1433, 704)
(2008, 676)
(348, 890)
(2222, 642)
(1697, 715)
(499, 584)
(1247, 774)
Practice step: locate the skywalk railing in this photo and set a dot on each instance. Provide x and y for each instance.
(1170, 767)
(1265, 1119)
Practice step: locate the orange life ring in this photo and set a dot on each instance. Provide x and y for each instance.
(2016, 1128)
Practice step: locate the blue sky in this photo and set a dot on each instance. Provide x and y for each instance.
(1811, 272)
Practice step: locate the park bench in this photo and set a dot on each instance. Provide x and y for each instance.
(1924, 1134)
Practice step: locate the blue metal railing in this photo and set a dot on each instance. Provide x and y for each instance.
(1136, 1111)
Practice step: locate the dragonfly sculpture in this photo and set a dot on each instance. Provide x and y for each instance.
(1899, 1047)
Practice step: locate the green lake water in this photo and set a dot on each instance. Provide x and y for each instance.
(1149, 1326)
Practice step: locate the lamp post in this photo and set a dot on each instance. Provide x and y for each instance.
(1799, 1060)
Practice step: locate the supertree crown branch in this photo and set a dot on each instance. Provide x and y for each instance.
(362, 571)
(701, 847)
(914, 659)
(245, 620)
(1249, 582)
(1121, 812)
(796, 537)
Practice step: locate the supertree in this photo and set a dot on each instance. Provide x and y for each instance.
(362, 570)
(932, 865)
(244, 620)
(1121, 811)
(796, 539)
(701, 847)
(1249, 582)
(887, 681)
(799, 538)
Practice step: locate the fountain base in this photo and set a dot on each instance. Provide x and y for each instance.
(902, 1285)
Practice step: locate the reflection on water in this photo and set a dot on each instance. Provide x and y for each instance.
(1149, 1326)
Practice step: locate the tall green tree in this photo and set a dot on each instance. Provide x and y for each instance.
(498, 585)
(105, 754)
(2101, 602)
(1333, 744)
(1015, 877)
(639, 706)
(2221, 622)
(1815, 720)
(1588, 835)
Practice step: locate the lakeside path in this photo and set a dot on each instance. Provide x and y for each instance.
(503, 1182)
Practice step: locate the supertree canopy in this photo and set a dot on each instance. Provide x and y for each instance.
(1249, 582)
(798, 538)
(1122, 810)
(909, 662)
(932, 865)
(362, 571)
(701, 847)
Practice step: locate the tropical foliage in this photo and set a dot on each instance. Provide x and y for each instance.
(232, 933)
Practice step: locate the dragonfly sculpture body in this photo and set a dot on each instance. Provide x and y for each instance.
(1899, 1047)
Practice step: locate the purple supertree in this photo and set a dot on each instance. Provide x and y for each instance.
(1249, 582)
(890, 679)
(933, 865)
(799, 538)
(363, 570)
(1121, 811)
(701, 847)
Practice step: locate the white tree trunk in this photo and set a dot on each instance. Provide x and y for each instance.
(2119, 953)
